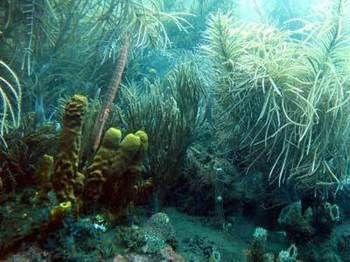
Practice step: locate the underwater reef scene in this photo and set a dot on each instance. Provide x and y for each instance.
(175, 130)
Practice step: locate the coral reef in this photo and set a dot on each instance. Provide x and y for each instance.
(27, 223)
(246, 131)
(166, 254)
(114, 176)
(158, 233)
(66, 161)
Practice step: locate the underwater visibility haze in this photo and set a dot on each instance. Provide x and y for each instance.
(175, 130)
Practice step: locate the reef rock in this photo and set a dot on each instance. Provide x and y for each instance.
(158, 233)
(155, 235)
(340, 240)
(296, 223)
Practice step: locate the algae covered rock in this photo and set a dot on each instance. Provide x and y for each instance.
(153, 237)
(257, 249)
(158, 233)
(289, 255)
(67, 160)
(297, 223)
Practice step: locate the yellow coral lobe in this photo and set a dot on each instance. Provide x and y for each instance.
(61, 210)
(47, 159)
(144, 139)
(79, 99)
(112, 138)
(131, 143)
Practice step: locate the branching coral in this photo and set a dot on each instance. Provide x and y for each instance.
(288, 98)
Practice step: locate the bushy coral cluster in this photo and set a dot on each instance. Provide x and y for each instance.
(114, 176)
(115, 173)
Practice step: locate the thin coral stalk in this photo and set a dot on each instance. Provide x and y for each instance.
(112, 92)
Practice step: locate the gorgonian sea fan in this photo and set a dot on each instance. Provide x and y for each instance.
(10, 99)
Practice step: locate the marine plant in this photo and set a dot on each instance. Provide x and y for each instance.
(139, 23)
(27, 145)
(199, 11)
(282, 13)
(283, 103)
(11, 97)
(43, 43)
(177, 106)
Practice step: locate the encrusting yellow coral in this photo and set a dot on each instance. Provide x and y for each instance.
(60, 211)
(66, 162)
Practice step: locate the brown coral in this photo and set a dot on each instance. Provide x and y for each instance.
(100, 168)
(127, 181)
(66, 162)
(43, 175)
(115, 174)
